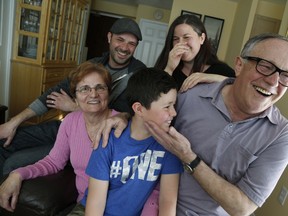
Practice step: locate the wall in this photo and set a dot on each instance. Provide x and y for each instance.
(241, 29)
(6, 31)
(147, 12)
(270, 10)
(114, 8)
(284, 24)
(141, 11)
(272, 206)
(283, 103)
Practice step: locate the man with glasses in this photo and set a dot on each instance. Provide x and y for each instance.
(31, 143)
(267, 68)
(231, 138)
(237, 140)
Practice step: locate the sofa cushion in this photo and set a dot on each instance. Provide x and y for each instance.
(47, 195)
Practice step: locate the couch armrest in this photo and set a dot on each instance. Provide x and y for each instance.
(46, 195)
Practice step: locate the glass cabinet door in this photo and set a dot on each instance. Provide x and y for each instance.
(27, 46)
(50, 31)
(63, 45)
(54, 30)
(30, 20)
(68, 16)
(80, 18)
(29, 28)
(33, 2)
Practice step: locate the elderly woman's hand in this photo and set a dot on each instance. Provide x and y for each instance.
(9, 191)
(119, 122)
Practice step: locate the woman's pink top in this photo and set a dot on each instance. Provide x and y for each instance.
(72, 143)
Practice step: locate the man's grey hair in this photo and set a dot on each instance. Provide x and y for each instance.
(259, 38)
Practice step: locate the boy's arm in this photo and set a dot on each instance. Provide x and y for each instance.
(97, 195)
(168, 194)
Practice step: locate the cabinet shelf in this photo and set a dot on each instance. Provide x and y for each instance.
(32, 7)
(47, 41)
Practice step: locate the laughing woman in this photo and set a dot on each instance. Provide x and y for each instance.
(187, 54)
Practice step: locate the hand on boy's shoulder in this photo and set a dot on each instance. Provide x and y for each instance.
(119, 122)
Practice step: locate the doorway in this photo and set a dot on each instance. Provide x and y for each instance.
(264, 24)
(96, 39)
(154, 35)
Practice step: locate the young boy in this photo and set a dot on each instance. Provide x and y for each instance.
(123, 175)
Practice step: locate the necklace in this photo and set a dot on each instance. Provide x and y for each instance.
(91, 128)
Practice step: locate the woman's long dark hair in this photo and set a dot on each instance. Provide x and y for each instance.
(204, 56)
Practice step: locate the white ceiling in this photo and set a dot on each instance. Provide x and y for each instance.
(167, 4)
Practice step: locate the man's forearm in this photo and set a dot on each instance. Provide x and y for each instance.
(229, 196)
(22, 116)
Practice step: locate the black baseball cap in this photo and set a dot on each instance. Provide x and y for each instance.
(126, 25)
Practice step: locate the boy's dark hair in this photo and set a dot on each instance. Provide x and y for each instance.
(147, 85)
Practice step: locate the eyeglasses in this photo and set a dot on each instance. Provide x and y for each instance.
(267, 68)
(85, 90)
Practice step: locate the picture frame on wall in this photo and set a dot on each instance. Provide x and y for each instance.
(214, 27)
(191, 13)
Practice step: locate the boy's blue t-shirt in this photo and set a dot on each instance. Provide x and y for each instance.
(133, 169)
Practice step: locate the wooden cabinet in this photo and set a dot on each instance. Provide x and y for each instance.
(48, 37)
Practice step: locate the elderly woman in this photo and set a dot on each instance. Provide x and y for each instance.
(90, 85)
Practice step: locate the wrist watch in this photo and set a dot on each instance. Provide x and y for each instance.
(190, 167)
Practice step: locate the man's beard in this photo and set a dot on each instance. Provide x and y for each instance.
(119, 61)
